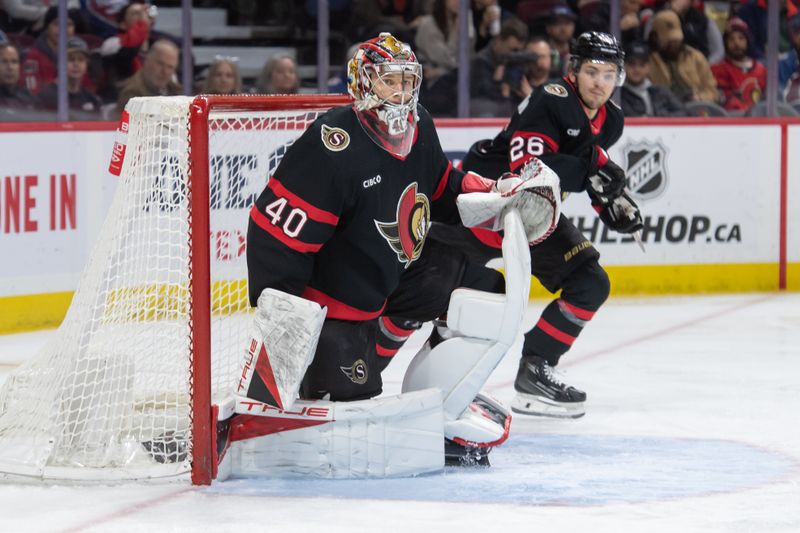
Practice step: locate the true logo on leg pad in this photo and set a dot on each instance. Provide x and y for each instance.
(357, 373)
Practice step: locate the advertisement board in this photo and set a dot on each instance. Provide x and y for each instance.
(793, 207)
(710, 195)
(699, 206)
(53, 195)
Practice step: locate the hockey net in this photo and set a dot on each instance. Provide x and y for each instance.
(158, 325)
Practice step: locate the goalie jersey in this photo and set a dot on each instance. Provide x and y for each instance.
(341, 219)
(551, 125)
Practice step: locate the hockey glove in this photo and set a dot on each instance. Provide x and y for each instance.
(535, 193)
(607, 184)
(621, 215)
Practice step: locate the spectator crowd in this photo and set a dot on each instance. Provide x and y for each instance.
(683, 57)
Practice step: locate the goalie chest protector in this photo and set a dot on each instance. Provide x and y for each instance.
(341, 218)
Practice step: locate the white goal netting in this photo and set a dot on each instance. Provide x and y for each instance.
(110, 396)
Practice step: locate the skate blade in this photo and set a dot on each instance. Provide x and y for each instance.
(527, 404)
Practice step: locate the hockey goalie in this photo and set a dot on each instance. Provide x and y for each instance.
(341, 275)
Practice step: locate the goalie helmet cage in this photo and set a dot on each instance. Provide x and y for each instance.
(157, 327)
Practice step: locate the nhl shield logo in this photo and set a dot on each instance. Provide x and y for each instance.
(645, 165)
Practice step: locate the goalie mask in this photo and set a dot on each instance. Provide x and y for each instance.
(597, 47)
(384, 78)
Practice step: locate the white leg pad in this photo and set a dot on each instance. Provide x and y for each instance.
(282, 343)
(485, 326)
(459, 367)
(382, 437)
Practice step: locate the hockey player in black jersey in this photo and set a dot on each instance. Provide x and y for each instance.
(338, 258)
(569, 124)
(343, 220)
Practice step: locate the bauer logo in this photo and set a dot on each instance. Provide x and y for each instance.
(646, 167)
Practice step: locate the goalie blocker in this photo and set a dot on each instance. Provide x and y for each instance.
(395, 435)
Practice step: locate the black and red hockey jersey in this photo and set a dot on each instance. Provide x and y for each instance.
(551, 125)
(341, 218)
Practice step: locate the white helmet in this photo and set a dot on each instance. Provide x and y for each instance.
(384, 78)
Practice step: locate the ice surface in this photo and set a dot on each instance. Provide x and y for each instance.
(691, 425)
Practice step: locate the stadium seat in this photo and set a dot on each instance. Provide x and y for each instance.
(782, 110)
(705, 109)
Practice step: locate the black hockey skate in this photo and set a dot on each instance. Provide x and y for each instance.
(541, 393)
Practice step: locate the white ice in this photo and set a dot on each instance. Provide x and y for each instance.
(692, 424)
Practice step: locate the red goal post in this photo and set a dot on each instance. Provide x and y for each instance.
(204, 465)
(157, 327)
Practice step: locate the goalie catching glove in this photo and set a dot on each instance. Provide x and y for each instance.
(534, 192)
(621, 214)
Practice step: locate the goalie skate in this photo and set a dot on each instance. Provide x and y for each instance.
(461, 452)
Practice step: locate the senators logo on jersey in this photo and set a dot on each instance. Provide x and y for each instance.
(334, 139)
(358, 372)
(406, 235)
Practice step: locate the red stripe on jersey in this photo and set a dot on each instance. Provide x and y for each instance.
(557, 334)
(602, 157)
(525, 155)
(597, 122)
(385, 352)
(394, 329)
(475, 183)
(296, 245)
(442, 181)
(583, 314)
(488, 237)
(315, 213)
(338, 309)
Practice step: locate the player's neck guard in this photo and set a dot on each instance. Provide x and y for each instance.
(392, 127)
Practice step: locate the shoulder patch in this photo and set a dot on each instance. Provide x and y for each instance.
(556, 90)
(334, 139)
